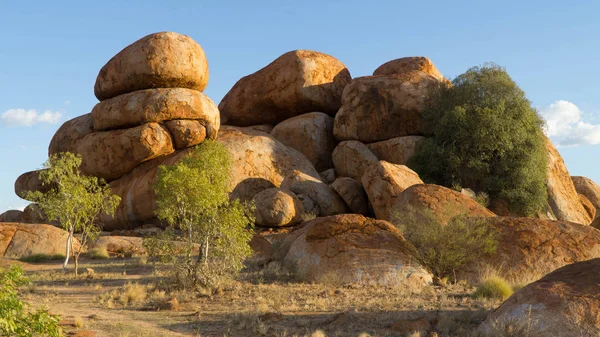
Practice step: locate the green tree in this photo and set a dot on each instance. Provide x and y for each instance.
(193, 195)
(485, 135)
(15, 318)
(74, 200)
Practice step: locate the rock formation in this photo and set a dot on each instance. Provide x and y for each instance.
(589, 189)
(20, 240)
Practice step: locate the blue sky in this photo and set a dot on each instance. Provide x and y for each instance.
(51, 52)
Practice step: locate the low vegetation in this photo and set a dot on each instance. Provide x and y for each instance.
(494, 288)
(41, 258)
(485, 135)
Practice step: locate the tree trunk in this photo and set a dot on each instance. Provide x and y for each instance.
(206, 251)
(68, 250)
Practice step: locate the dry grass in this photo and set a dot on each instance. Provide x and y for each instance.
(97, 253)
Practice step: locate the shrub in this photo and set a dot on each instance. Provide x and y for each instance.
(97, 253)
(15, 317)
(445, 248)
(41, 258)
(493, 288)
(485, 136)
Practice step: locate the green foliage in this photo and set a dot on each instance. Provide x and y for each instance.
(15, 318)
(74, 200)
(494, 288)
(41, 258)
(97, 254)
(487, 137)
(446, 248)
(193, 196)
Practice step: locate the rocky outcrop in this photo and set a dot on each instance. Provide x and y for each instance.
(297, 82)
(438, 202)
(396, 150)
(588, 206)
(111, 154)
(155, 106)
(351, 159)
(529, 246)
(276, 208)
(562, 196)
(376, 108)
(311, 134)
(20, 240)
(70, 133)
(329, 202)
(159, 60)
(408, 64)
(13, 215)
(384, 182)
(350, 248)
(590, 189)
(353, 193)
(564, 303)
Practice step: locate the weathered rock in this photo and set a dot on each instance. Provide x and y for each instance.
(13, 215)
(596, 223)
(562, 196)
(384, 182)
(330, 203)
(350, 248)
(376, 108)
(351, 158)
(438, 202)
(297, 82)
(564, 303)
(588, 206)
(262, 250)
(328, 176)
(259, 162)
(155, 106)
(20, 240)
(111, 154)
(353, 193)
(311, 134)
(528, 247)
(276, 208)
(408, 64)
(119, 245)
(34, 214)
(70, 133)
(266, 128)
(30, 181)
(186, 132)
(159, 60)
(590, 189)
(311, 208)
(397, 150)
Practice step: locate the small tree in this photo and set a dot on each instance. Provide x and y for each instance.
(15, 318)
(193, 195)
(485, 136)
(75, 201)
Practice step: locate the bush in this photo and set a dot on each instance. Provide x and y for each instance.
(485, 136)
(41, 258)
(15, 318)
(97, 254)
(494, 288)
(446, 248)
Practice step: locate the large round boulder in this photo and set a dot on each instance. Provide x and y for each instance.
(590, 189)
(156, 105)
(13, 215)
(408, 64)
(21, 240)
(530, 247)
(353, 193)
(276, 208)
(438, 202)
(111, 154)
(384, 182)
(30, 181)
(376, 108)
(311, 134)
(351, 158)
(562, 195)
(297, 82)
(159, 60)
(564, 303)
(186, 132)
(350, 248)
(70, 133)
(329, 202)
(588, 206)
(397, 150)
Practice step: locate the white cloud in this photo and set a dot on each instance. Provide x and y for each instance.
(565, 124)
(22, 117)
